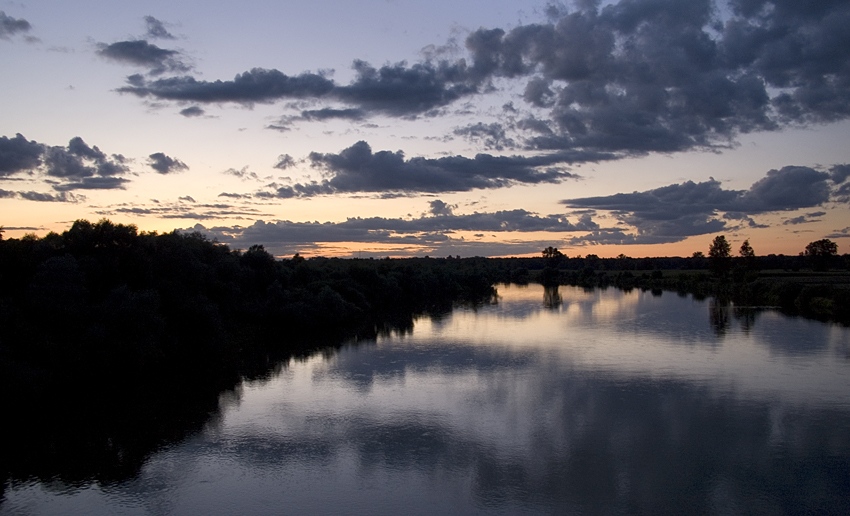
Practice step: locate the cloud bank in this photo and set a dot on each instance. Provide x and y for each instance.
(630, 78)
(77, 166)
(359, 169)
(675, 212)
(434, 231)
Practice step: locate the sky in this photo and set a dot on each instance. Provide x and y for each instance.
(405, 128)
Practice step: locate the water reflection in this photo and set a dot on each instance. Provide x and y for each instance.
(604, 402)
(551, 296)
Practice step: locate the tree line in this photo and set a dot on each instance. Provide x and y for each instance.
(115, 341)
(103, 293)
(819, 255)
(815, 283)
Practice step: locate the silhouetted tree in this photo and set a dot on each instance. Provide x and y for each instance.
(552, 253)
(719, 255)
(824, 247)
(820, 253)
(748, 256)
(746, 250)
(553, 259)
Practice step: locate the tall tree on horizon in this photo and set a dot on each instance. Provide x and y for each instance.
(719, 255)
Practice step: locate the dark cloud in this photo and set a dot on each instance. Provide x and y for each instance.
(59, 162)
(243, 173)
(839, 173)
(511, 220)
(800, 48)
(660, 75)
(284, 161)
(156, 29)
(19, 154)
(674, 212)
(440, 208)
(330, 113)
(11, 26)
(629, 78)
(186, 208)
(165, 164)
(619, 236)
(285, 123)
(787, 189)
(536, 126)
(93, 183)
(842, 193)
(78, 160)
(491, 136)
(802, 219)
(394, 90)
(80, 148)
(46, 197)
(257, 85)
(401, 90)
(841, 233)
(358, 169)
(430, 231)
(743, 219)
(21, 228)
(192, 111)
(76, 166)
(141, 53)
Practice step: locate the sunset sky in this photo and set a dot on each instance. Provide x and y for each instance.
(410, 128)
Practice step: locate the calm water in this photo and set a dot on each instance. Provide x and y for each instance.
(546, 402)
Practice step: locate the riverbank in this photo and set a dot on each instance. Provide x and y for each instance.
(114, 343)
(101, 326)
(819, 295)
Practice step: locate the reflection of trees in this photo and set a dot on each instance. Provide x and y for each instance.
(721, 314)
(88, 432)
(101, 326)
(718, 316)
(644, 446)
(551, 296)
(746, 317)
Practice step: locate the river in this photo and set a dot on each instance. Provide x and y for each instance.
(560, 401)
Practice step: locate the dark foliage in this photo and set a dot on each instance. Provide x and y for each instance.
(821, 254)
(100, 325)
(115, 343)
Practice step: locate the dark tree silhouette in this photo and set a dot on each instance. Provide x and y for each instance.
(552, 253)
(747, 257)
(719, 255)
(824, 247)
(820, 253)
